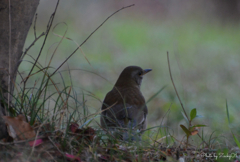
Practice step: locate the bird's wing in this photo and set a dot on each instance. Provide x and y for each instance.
(125, 108)
(114, 114)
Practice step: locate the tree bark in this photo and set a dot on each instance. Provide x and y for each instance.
(21, 15)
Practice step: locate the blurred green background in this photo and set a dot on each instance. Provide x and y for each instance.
(202, 38)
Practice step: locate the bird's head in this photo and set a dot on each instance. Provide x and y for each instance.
(131, 76)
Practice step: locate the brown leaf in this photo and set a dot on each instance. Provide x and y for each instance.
(18, 128)
(21, 117)
(195, 131)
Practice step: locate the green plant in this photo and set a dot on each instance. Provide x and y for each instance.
(191, 130)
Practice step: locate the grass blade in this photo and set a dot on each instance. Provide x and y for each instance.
(153, 96)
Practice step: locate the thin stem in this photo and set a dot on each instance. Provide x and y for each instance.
(88, 38)
(176, 88)
(48, 29)
(47, 32)
(36, 39)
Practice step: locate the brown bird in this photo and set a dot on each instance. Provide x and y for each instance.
(125, 105)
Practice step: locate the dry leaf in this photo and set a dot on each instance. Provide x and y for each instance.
(195, 131)
(19, 129)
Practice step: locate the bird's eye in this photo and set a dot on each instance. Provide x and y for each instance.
(140, 73)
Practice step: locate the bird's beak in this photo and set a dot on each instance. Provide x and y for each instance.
(145, 71)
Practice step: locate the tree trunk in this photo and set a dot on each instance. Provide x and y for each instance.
(21, 15)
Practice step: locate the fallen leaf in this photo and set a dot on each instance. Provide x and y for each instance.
(195, 131)
(21, 117)
(19, 129)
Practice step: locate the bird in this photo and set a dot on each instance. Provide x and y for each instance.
(125, 106)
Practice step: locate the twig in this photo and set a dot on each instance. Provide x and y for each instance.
(175, 87)
(88, 38)
(47, 32)
(41, 69)
(36, 39)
